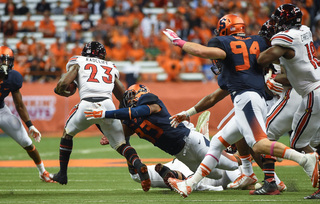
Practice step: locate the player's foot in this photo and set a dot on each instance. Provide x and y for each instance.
(104, 140)
(315, 195)
(60, 178)
(46, 177)
(243, 181)
(165, 173)
(131, 169)
(269, 188)
(180, 186)
(311, 167)
(282, 187)
(144, 177)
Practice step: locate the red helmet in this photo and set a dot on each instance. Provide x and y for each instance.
(287, 16)
(133, 93)
(6, 59)
(230, 24)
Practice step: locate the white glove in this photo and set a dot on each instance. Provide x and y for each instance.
(95, 113)
(176, 119)
(174, 38)
(275, 87)
(33, 132)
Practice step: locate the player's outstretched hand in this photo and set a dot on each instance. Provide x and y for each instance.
(176, 119)
(174, 38)
(275, 87)
(34, 132)
(95, 113)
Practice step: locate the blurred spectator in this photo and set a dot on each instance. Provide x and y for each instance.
(43, 7)
(47, 26)
(118, 53)
(160, 3)
(28, 25)
(51, 68)
(10, 8)
(206, 70)
(104, 25)
(86, 24)
(151, 51)
(21, 65)
(185, 31)
(37, 47)
(172, 67)
(205, 33)
(96, 6)
(77, 49)
(57, 9)
(136, 52)
(23, 9)
(70, 9)
(58, 49)
(190, 64)
(10, 27)
(1, 25)
(149, 23)
(132, 71)
(36, 68)
(22, 47)
(83, 7)
(120, 37)
(71, 31)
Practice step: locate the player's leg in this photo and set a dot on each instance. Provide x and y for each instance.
(12, 126)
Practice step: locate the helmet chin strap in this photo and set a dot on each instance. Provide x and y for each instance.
(5, 69)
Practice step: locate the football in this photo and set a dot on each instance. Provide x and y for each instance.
(72, 88)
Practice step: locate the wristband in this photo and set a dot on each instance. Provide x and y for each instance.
(29, 123)
(192, 111)
(179, 42)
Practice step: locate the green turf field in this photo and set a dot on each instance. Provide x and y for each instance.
(114, 185)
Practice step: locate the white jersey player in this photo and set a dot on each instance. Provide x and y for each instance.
(96, 79)
(293, 46)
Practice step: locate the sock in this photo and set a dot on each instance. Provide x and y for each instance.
(246, 165)
(41, 168)
(276, 178)
(293, 155)
(130, 154)
(65, 151)
(268, 170)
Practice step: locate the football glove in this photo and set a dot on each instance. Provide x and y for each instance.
(275, 87)
(174, 38)
(33, 132)
(95, 113)
(176, 119)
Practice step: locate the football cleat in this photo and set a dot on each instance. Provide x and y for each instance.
(315, 195)
(104, 140)
(62, 179)
(269, 188)
(46, 177)
(282, 187)
(311, 168)
(243, 181)
(167, 173)
(144, 177)
(180, 186)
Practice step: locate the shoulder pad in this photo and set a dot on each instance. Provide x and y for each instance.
(16, 79)
(283, 39)
(148, 98)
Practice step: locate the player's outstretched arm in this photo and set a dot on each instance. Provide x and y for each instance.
(24, 115)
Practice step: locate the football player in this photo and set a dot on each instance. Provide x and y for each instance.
(244, 81)
(11, 82)
(96, 79)
(146, 115)
(293, 46)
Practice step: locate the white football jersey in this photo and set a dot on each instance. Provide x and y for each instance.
(95, 76)
(303, 70)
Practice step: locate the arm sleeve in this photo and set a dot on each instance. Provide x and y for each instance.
(129, 113)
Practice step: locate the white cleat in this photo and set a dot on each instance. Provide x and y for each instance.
(46, 177)
(311, 168)
(180, 186)
(243, 181)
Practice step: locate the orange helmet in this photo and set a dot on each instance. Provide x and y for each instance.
(230, 24)
(133, 93)
(6, 59)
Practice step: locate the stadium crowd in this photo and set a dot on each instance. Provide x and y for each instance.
(131, 29)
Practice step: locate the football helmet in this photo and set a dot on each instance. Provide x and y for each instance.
(133, 93)
(268, 29)
(94, 49)
(229, 25)
(6, 59)
(287, 16)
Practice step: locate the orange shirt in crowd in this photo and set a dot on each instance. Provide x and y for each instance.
(48, 28)
(137, 54)
(191, 64)
(172, 68)
(28, 25)
(118, 53)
